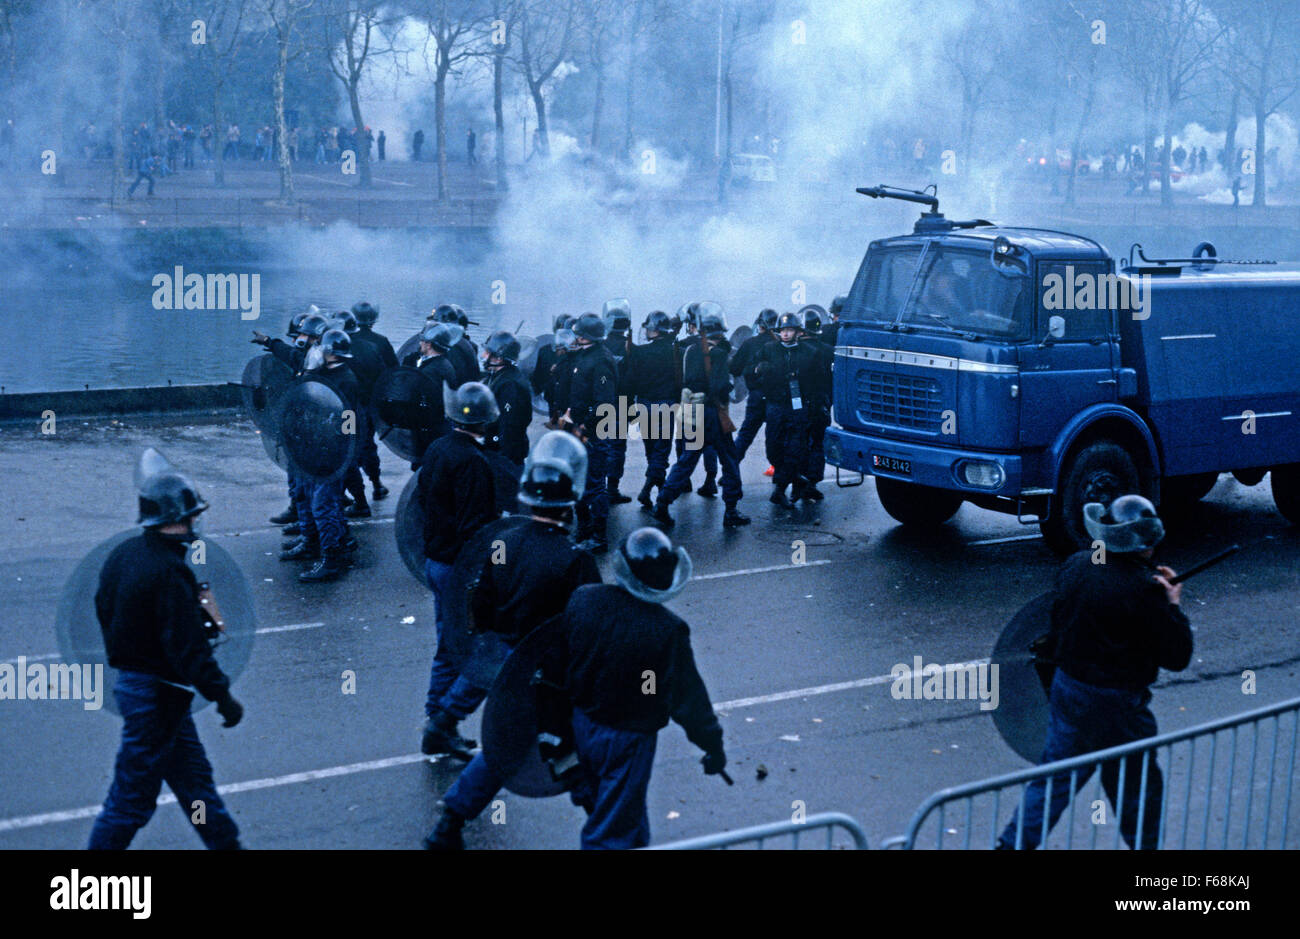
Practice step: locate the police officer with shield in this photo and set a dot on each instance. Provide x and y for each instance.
(652, 377)
(688, 315)
(790, 374)
(538, 570)
(457, 495)
(514, 400)
(433, 359)
(819, 410)
(629, 669)
(743, 365)
(618, 340)
(304, 330)
(544, 372)
(365, 364)
(148, 606)
(705, 372)
(591, 393)
(1116, 621)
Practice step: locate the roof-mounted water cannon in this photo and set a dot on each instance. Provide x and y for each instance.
(929, 222)
(1204, 257)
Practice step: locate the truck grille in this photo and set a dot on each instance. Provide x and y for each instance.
(899, 400)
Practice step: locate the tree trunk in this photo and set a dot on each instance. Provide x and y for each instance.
(218, 140)
(282, 147)
(1230, 140)
(598, 105)
(363, 148)
(440, 128)
(1166, 193)
(628, 132)
(539, 105)
(498, 112)
(1261, 189)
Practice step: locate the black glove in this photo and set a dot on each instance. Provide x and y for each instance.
(231, 710)
(715, 761)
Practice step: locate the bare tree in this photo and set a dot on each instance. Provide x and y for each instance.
(352, 36)
(505, 16)
(451, 25)
(117, 23)
(284, 16)
(223, 22)
(546, 29)
(599, 21)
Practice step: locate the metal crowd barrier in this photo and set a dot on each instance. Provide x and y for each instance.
(760, 834)
(1216, 776)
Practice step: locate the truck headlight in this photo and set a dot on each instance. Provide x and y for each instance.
(981, 474)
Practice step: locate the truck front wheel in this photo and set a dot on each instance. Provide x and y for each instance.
(920, 506)
(1286, 491)
(1099, 472)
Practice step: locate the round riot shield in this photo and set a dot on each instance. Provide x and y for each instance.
(539, 402)
(528, 347)
(523, 697)
(739, 389)
(81, 641)
(1021, 714)
(265, 379)
(316, 431)
(408, 349)
(479, 662)
(407, 404)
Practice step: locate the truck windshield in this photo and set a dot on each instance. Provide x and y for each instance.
(882, 284)
(959, 290)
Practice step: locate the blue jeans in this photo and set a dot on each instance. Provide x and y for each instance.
(594, 505)
(724, 449)
(755, 414)
(327, 514)
(445, 665)
(616, 769)
(657, 446)
(463, 696)
(1084, 718)
(159, 744)
(473, 789)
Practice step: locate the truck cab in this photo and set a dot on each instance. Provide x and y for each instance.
(1019, 370)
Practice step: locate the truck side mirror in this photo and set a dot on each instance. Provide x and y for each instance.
(1056, 327)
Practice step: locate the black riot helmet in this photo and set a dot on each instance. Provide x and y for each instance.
(295, 324)
(618, 314)
(561, 321)
(345, 321)
(168, 497)
(813, 317)
(675, 322)
(555, 472)
(470, 405)
(442, 336)
(688, 314)
(658, 322)
(590, 327)
(713, 325)
(446, 313)
(789, 320)
(365, 313)
(503, 345)
(337, 343)
(650, 568)
(837, 307)
(1128, 524)
(766, 321)
(313, 326)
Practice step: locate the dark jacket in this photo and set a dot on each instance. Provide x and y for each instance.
(652, 372)
(1112, 626)
(290, 355)
(778, 366)
(747, 356)
(611, 640)
(342, 379)
(380, 342)
(367, 364)
(456, 493)
(464, 362)
(541, 569)
(593, 381)
(148, 609)
(715, 381)
(515, 402)
(821, 391)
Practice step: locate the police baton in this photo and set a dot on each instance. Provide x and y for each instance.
(725, 778)
(1221, 556)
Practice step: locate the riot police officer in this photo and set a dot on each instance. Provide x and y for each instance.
(653, 379)
(704, 370)
(149, 610)
(541, 569)
(436, 342)
(365, 364)
(831, 331)
(618, 340)
(592, 389)
(463, 355)
(382, 351)
(1114, 626)
(612, 634)
(514, 401)
(789, 372)
(544, 372)
(688, 316)
(292, 354)
(743, 365)
(457, 496)
(819, 410)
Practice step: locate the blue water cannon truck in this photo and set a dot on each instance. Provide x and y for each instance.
(1020, 370)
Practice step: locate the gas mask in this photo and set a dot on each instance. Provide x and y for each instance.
(315, 358)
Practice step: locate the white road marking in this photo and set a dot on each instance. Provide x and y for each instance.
(1009, 538)
(350, 769)
(352, 523)
(760, 570)
(30, 658)
(291, 627)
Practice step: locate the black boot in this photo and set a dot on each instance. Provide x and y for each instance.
(616, 497)
(661, 515)
(709, 489)
(778, 498)
(644, 496)
(302, 550)
(358, 509)
(733, 519)
(812, 494)
(441, 739)
(446, 835)
(288, 515)
(331, 566)
(292, 530)
(596, 541)
(380, 491)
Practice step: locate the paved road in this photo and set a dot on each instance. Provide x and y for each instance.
(794, 655)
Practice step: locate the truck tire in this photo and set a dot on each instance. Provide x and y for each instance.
(1097, 473)
(1182, 492)
(1286, 491)
(918, 506)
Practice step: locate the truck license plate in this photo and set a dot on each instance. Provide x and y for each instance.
(891, 464)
